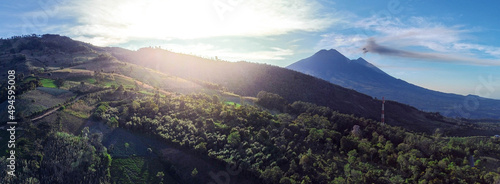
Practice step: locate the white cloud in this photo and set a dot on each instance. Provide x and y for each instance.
(416, 31)
(493, 51)
(117, 21)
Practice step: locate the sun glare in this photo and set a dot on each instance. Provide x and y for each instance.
(192, 19)
(162, 19)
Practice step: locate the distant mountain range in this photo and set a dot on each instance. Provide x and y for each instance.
(366, 78)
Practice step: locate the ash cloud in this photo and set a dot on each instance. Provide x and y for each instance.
(373, 47)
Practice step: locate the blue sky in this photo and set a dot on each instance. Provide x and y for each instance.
(449, 46)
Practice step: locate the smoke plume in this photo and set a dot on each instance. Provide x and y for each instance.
(373, 47)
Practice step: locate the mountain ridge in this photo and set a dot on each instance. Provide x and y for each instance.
(366, 78)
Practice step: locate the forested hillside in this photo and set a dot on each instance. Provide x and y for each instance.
(308, 143)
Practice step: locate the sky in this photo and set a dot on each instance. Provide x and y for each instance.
(449, 46)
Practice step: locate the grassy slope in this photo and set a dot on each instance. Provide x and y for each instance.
(49, 83)
(143, 75)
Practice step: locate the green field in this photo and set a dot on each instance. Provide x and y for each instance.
(118, 80)
(49, 83)
(232, 103)
(138, 170)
